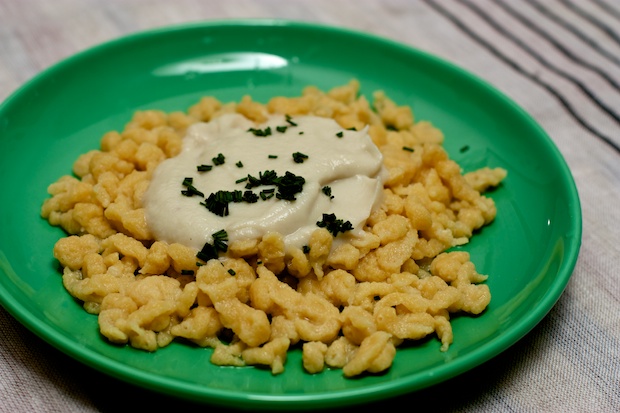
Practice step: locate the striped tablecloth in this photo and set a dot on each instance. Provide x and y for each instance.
(558, 59)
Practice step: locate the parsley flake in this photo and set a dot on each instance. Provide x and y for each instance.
(220, 238)
(191, 190)
(327, 190)
(289, 120)
(211, 250)
(261, 132)
(334, 225)
(250, 197)
(299, 157)
(219, 159)
(217, 202)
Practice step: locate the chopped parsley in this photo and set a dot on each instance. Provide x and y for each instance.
(204, 168)
(239, 164)
(211, 250)
(299, 157)
(250, 197)
(220, 238)
(232, 272)
(218, 201)
(281, 129)
(219, 159)
(191, 190)
(289, 120)
(334, 225)
(207, 252)
(340, 134)
(261, 132)
(272, 156)
(266, 194)
(408, 148)
(327, 190)
(287, 186)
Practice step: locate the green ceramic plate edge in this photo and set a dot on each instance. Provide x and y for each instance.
(529, 251)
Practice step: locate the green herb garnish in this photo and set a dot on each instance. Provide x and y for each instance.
(191, 190)
(211, 250)
(250, 197)
(299, 157)
(289, 120)
(327, 190)
(220, 238)
(266, 194)
(334, 225)
(261, 132)
(340, 134)
(287, 186)
(219, 159)
(408, 149)
(207, 252)
(217, 202)
(204, 168)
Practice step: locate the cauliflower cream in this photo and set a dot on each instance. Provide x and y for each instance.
(288, 175)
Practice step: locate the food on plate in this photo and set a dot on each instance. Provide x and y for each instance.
(321, 222)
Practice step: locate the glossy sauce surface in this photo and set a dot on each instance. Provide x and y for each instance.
(335, 171)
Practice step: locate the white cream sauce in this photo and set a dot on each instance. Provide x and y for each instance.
(346, 161)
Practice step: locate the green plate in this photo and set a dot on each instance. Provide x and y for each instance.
(529, 252)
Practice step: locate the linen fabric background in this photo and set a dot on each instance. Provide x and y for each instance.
(558, 59)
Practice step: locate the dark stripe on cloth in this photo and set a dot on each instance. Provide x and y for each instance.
(563, 102)
(608, 8)
(574, 30)
(540, 59)
(593, 20)
(558, 45)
